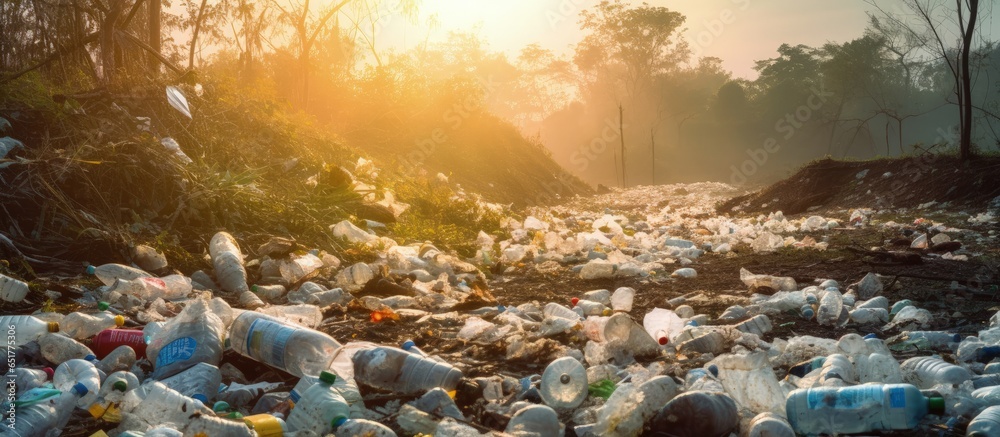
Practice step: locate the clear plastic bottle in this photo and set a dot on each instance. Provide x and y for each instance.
(347, 388)
(26, 379)
(537, 420)
(712, 342)
(759, 324)
(122, 358)
(25, 329)
(926, 340)
(322, 409)
(662, 325)
(769, 425)
(926, 372)
(621, 299)
(590, 308)
(112, 392)
(564, 384)
(12, 290)
(830, 307)
(399, 371)
(696, 414)
(57, 348)
(77, 371)
(193, 336)
(837, 371)
(228, 262)
(154, 404)
(47, 416)
(620, 415)
(986, 424)
(701, 379)
(863, 408)
(272, 341)
(200, 381)
(109, 273)
(898, 306)
(83, 326)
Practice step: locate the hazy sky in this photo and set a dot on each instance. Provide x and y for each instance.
(738, 31)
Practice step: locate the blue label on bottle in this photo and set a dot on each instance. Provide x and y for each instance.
(178, 350)
(266, 341)
(897, 398)
(845, 398)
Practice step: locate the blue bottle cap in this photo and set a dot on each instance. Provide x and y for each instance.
(80, 389)
(339, 420)
(714, 370)
(200, 398)
(90, 358)
(872, 335)
(220, 406)
(501, 308)
(692, 323)
(90, 270)
(408, 344)
(957, 338)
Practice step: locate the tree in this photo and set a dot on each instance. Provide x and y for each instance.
(927, 24)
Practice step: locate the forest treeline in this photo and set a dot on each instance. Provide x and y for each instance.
(630, 104)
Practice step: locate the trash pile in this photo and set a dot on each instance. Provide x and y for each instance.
(257, 346)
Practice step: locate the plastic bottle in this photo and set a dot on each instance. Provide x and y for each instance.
(898, 306)
(48, 415)
(603, 296)
(590, 308)
(830, 307)
(322, 409)
(399, 371)
(12, 290)
(112, 392)
(709, 343)
(109, 273)
(228, 262)
(621, 299)
(837, 371)
(926, 372)
(294, 349)
(77, 371)
(25, 329)
(662, 325)
(696, 414)
(804, 368)
(986, 424)
(198, 382)
(26, 379)
(759, 324)
(193, 336)
(83, 326)
(122, 358)
(57, 348)
(347, 388)
(537, 420)
(267, 425)
(807, 311)
(110, 339)
(769, 425)
(155, 404)
(700, 379)
(864, 316)
(863, 408)
(620, 415)
(564, 384)
(925, 340)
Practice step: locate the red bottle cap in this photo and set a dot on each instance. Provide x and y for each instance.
(575, 300)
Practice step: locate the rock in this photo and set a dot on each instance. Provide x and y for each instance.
(947, 246)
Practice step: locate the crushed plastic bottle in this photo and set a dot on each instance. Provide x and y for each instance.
(294, 349)
(77, 371)
(46, 413)
(25, 379)
(193, 336)
(396, 370)
(109, 273)
(926, 372)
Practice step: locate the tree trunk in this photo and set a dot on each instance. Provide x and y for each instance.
(154, 34)
(621, 135)
(194, 36)
(965, 146)
(652, 156)
(108, 29)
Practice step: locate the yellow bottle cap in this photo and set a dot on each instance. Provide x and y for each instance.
(119, 320)
(53, 326)
(265, 425)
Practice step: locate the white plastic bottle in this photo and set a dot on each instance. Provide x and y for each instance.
(393, 369)
(621, 416)
(830, 307)
(926, 372)
(77, 371)
(12, 290)
(858, 409)
(986, 424)
(590, 308)
(759, 324)
(25, 329)
(200, 381)
(83, 326)
(321, 410)
(662, 325)
(564, 384)
(194, 336)
(48, 415)
(769, 425)
(272, 341)
(838, 371)
(621, 299)
(109, 273)
(347, 388)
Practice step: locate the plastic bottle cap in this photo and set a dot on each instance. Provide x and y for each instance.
(957, 338)
(606, 312)
(408, 344)
(53, 326)
(935, 405)
(663, 341)
(119, 320)
(200, 398)
(120, 386)
(49, 372)
(575, 300)
(90, 357)
(103, 306)
(91, 270)
(501, 308)
(339, 420)
(265, 425)
(221, 406)
(872, 335)
(327, 377)
(80, 389)
(714, 370)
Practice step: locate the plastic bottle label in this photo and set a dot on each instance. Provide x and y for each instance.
(178, 350)
(266, 341)
(845, 399)
(897, 398)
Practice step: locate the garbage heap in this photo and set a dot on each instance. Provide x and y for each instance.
(156, 353)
